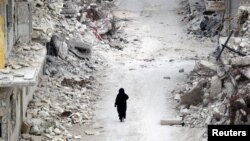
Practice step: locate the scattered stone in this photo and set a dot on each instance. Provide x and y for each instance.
(69, 136)
(66, 114)
(44, 114)
(208, 65)
(35, 130)
(91, 132)
(57, 47)
(240, 61)
(166, 77)
(57, 131)
(26, 136)
(36, 138)
(181, 70)
(208, 120)
(184, 111)
(15, 66)
(177, 97)
(216, 87)
(5, 71)
(78, 137)
(195, 95)
(172, 122)
(115, 45)
(25, 128)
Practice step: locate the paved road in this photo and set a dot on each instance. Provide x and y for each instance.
(140, 70)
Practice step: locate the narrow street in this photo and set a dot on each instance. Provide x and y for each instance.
(148, 70)
(64, 66)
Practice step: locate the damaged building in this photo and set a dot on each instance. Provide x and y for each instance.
(213, 17)
(220, 84)
(20, 64)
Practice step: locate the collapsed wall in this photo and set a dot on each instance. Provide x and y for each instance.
(74, 31)
(218, 89)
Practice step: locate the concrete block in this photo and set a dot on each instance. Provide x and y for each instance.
(24, 22)
(2, 111)
(195, 95)
(240, 61)
(208, 65)
(25, 128)
(216, 87)
(172, 122)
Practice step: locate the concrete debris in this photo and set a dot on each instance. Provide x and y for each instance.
(77, 137)
(201, 22)
(25, 128)
(166, 77)
(35, 130)
(73, 31)
(216, 87)
(224, 98)
(240, 61)
(208, 65)
(89, 132)
(181, 70)
(57, 131)
(36, 138)
(172, 122)
(195, 95)
(26, 136)
(57, 47)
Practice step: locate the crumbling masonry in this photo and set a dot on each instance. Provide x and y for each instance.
(19, 67)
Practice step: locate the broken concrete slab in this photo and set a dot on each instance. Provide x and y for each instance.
(172, 122)
(208, 65)
(25, 76)
(77, 137)
(30, 74)
(81, 45)
(91, 132)
(216, 87)
(230, 88)
(246, 72)
(240, 61)
(36, 138)
(57, 47)
(25, 128)
(195, 95)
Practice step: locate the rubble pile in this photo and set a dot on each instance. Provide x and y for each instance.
(73, 32)
(217, 91)
(199, 21)
(23, 56)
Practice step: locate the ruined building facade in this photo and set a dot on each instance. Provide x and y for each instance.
(16, 90)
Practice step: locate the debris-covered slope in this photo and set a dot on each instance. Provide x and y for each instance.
(218, 89)
(72, 31)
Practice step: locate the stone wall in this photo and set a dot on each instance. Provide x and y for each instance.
(17, 17)
(10, 113)
(24, 21)
(15, 99)
(13, 105)
(232, 7)
(4, 112)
